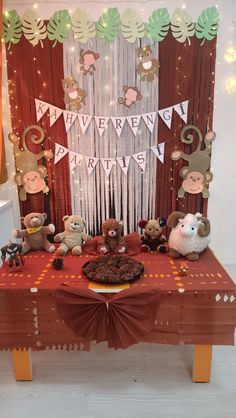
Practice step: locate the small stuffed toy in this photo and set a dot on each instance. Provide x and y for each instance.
(35, 234)
(73, 236)
(112, 240)
(190, 235)
(153, 238)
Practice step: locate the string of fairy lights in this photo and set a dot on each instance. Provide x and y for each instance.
(230, 87)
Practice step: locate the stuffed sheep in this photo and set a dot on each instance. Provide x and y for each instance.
(190, 235)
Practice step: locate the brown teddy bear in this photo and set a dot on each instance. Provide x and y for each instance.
(112, 240)
(35, 234)
(73, 236)
(153, 238)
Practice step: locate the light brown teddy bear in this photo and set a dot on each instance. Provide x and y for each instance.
(35, 234)
(112, 240)
(73, 236)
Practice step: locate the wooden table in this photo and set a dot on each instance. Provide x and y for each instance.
(198, 309)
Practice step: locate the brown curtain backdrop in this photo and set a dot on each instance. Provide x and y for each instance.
(3, 170)
(187, 73)
(35, 72)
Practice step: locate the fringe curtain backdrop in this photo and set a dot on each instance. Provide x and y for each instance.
(97, 197)
(187, 72)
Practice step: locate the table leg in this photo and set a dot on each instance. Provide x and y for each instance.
(202, 363)
(22, 364)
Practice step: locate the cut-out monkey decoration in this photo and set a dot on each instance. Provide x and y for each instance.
(148, 67)
(74, 97)
(88, 60)
(29, 175)
(131, 96)
(196, 176)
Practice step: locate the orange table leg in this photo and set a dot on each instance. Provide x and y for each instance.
(202, 363)
(22, 364)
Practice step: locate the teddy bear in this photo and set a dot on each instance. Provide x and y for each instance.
(112, 239)
(73, 235)
(153, 238)
(35, 234)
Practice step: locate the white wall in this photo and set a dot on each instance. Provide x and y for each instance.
(222, 201)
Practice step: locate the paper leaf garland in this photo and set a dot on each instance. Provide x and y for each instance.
(132, 26)
(59, 26)
(182, 26)
(83, 26)
(108, 25)
(11, 28)
(207, 24)
(33, 27)
(158, 25)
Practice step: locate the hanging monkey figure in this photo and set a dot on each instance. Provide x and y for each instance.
(29, 175)
(196, 176)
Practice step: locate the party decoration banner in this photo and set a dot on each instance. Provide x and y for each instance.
(117, 121)
(107, 163)
(109, 25)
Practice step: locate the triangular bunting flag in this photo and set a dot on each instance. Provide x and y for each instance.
(124, 163)
(166, 115)
(74, 159)
(159, 151)
(91, 163)
(54, 114)
(60, 152)
(118, 123)
(41, 108)
(69, 118)
(107, 164)
(182, 110)
(140, 159)
(134, 123)
(149, 119)
(84, 121)
(101, 122)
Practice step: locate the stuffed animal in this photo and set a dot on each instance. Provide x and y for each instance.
(73, 236)
(153, 238)
(35, 234)
(190, 235)
(112, 240)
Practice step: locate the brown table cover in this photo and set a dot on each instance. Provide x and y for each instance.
(42, 308)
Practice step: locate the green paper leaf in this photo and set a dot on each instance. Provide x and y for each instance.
(83, 26)
(158, 25)
(207, 24)
(11, 28)
(132, 26)
(182, 26)
(33, 27)
(59, 26)
(108, 25)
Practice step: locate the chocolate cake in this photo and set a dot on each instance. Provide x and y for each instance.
(113, 269)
